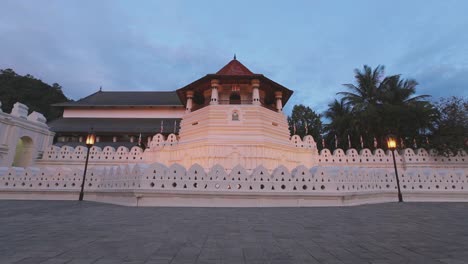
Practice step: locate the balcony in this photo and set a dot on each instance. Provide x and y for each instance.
(235, 102)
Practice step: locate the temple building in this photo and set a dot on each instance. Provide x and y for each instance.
(233, 116)
(125, 117)
(118, 118)
(222, 140)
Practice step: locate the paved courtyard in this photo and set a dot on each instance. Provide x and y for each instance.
(69, 232)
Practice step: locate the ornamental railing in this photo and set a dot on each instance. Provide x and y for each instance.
(234, 102)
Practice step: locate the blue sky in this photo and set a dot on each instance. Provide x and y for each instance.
(311, 47)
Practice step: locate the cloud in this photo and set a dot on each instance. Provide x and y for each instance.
(311, 49)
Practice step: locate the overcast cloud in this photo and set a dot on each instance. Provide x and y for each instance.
(311, 47)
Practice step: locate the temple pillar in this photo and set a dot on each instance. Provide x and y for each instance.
(188, 109)
(255, 92)
(214, 92)
(279, 103)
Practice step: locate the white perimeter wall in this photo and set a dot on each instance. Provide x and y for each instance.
(31, 129)
(159, 185)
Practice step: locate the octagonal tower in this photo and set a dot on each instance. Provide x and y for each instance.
(235, 117)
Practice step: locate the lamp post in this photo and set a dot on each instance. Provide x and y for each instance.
(90, 139)
(391, 144)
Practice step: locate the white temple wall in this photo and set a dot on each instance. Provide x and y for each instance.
(176, 185)
(23, 137)
(247, 155)
(215, 122)
(299, 152)
(159, 112)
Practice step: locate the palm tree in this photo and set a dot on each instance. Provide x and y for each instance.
(366, 92)
(397, 91)
(404, 114)
(383, 105)
(341, 124)
(364, 98)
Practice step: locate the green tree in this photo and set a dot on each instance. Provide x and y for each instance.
(302, 117)
(386, 105)
(342, 124)
(403, 114)
(450, 132)
(366, 92)
(364, 98)
(34, 93)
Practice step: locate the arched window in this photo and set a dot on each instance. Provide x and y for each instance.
(235, 116)
(234, 98)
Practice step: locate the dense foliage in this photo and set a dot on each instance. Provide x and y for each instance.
(377, 106)
(304, 121)
(450, 132)
(34, 93)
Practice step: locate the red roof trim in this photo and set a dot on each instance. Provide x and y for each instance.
(234, 67)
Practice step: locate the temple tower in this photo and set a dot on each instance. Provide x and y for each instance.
(235, 117)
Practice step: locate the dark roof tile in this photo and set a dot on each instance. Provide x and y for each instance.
(134, 98)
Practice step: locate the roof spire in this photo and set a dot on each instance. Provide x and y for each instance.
(100, 88)
(235, 57)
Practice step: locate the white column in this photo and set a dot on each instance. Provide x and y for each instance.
(255, 92)
(114, 139)
(188, 109)
(279, 103)
(214, 92)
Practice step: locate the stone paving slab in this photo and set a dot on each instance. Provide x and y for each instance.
(52, 232)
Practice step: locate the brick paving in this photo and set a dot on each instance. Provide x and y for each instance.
(70, 232)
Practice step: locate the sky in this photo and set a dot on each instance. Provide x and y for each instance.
(311, 47)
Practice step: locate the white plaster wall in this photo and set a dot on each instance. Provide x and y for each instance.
(17, 125)
(176, 185)
(121, 112)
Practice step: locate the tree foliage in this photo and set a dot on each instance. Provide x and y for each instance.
(376, 106)
(450, 132)
(34, 93)
(305, 121)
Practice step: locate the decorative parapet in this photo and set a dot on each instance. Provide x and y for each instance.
(96, 154)
(31, 130)
(20, 110)
(156, 177)
(37, 117)
(307, 143)
(364, 158)
(380, 158)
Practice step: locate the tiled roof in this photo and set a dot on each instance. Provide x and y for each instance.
(134, 98)
(234, 67)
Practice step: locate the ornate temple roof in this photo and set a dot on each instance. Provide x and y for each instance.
(234, 72)
(234, 67)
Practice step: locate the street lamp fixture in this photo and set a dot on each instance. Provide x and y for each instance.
(90, 140)
(392, 145)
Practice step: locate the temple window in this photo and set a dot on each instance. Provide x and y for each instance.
(235, 116)
(234, 98)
